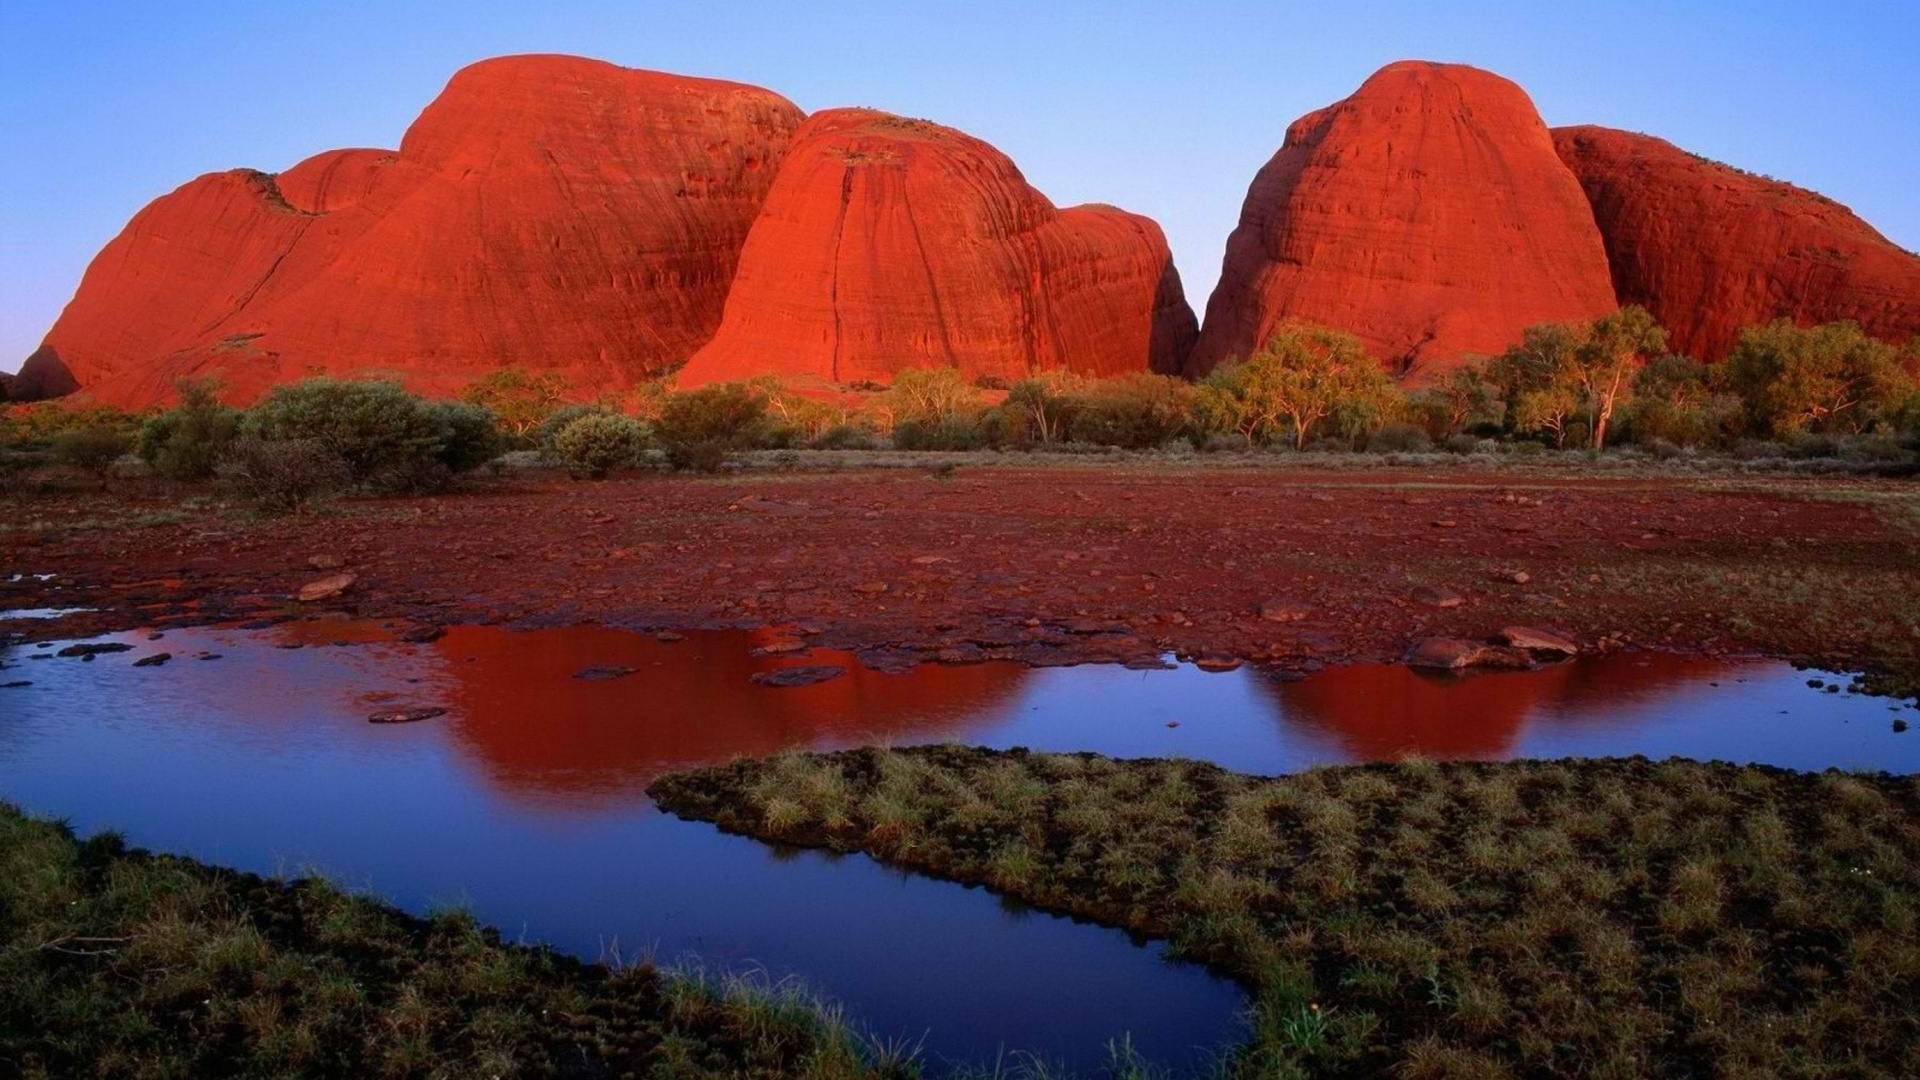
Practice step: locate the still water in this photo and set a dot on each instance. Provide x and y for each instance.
(526, 801)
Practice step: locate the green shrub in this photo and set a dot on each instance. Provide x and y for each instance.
(698, 428)
(594, 444)
(1135, 412)
(1831, 378)
(187, 441)
(387, 438)
(1401, 438)
(951, 433)
(284, 474)
(558, 420)
(521, 400)
(93, 449)
(844, 437)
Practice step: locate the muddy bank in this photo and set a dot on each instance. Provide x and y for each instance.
(1287, 569)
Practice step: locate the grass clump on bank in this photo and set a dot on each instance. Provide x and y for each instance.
(118, 963)
(1525, 919)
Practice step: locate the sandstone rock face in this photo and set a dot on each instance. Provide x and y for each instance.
(547, 212)
(1427, 213)
(889, 243)
(1709, 249)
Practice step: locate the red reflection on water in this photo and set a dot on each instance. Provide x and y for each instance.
(1382, 712)
(536, 730)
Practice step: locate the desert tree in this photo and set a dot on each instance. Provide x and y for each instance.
(1300, 377)
(1615, 348)
(1827, 378)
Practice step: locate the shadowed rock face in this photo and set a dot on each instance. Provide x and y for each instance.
(1709, 249)
(1427, 213)
(546, 212)
(889, 243)
(44, 375)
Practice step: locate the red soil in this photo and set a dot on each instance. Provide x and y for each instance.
(1046, 565)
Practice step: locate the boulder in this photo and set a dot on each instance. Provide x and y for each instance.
(1540, 643)
(888, 243)
(325, 588)
(547, 212)
(1709, 249)
(1428, 214)
(798, 676)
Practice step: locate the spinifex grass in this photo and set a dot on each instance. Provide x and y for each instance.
(116, 963)
(1580, 918)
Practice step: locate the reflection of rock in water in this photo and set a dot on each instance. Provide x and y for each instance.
(1381, 712)
(534, 729)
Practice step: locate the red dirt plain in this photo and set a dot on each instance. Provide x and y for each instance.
(1045, 562)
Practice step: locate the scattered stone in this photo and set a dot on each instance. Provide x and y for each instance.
(405, 716)
(1218, 663)
(1511, 577)
(326, 562)
(798, 676)
(1540, 643)
(1445, 523)
(421, 633)
(325, 588)
(929, 560)
(208, 656)
(1173, 723)
(1433, 596)
(870, 588)
(155, 660)
(669, 637)
(603, 672)
(87, 650)
(1284, 613)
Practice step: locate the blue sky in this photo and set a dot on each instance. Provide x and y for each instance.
(1165, 109)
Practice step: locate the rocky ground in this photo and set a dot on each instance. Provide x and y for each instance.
(1050, 561)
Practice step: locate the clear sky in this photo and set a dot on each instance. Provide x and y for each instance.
(1165, 108)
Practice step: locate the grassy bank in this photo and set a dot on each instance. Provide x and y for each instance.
(121, 964)
(1613, 918)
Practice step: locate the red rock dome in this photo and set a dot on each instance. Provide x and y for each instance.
(1710, 249)
(889, 243)
(544, 211)
(1427, 213)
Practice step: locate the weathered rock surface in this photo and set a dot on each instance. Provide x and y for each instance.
(547, 212)
(1541, 643)
(1428, 214)
(889, 243)
(1710, 249)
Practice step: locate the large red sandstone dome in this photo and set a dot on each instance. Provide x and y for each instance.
(1427, 213)
(889, 243)
(1710, 249)
(546, 212)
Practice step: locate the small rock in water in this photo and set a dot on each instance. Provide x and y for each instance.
(153, 661)
(1217, 663)
(779, 648)
(1899, 723)
(18, 683)
(798, 676)
(603, 672)
(669, 637)
(421, 633)
(405, 716)
(87, 650)
(1453, 654)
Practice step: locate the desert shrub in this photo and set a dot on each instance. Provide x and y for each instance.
(1400, 437)
(1831, 378)
(521, 400)
(930, 396)
(1294, 384)
(1139, 411)
(284, 474)
(558, 420)
(91, 449)
(843, 437)
(595, 444)
(1036, 410)
(699, 428)
(473, 435)
(187, 441)
(388, 439)
(1463, 444)
(38, 424)
(948, 433)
